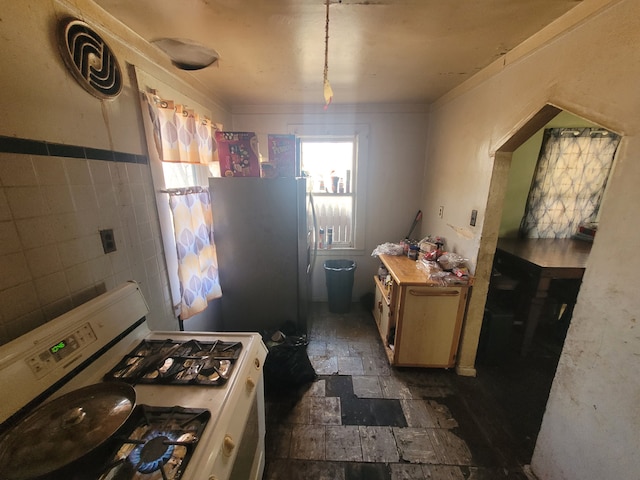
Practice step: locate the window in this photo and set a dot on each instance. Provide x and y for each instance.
(569, 182)
(328, 164)
(332, 161)
(178, 175)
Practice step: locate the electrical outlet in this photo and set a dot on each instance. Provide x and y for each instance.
(474, 216)
(441, 211)
(108, 240)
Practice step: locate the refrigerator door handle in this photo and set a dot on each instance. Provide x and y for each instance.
(315, 233)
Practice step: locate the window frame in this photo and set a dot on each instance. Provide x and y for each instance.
(200, 174)
(360, 136)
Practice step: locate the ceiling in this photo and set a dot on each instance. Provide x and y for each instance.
(380, 51)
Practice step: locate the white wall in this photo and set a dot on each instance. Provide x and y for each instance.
(50, 255)
(394, 167)
(590, 428)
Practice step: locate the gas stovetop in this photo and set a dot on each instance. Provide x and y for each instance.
(214, 377)
(173, 362)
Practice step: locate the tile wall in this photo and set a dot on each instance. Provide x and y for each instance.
(54, 200)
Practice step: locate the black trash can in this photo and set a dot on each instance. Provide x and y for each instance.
(339, 274)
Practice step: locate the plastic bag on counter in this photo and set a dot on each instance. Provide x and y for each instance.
(388, 249)
(460, 272)
(450, 279)
(431, 255)
(433, 242)
(429, 267)
(287, 364)
(433, 270)
(426, 246)
(449, 260)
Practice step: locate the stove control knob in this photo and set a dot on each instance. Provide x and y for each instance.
(251, 384)
(228, 444)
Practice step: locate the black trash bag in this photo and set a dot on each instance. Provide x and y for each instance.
(288, 328)
(287, 364)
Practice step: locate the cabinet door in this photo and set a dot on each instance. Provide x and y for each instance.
(430, 328)
(377, 305)
(381, 312)
(385, 316)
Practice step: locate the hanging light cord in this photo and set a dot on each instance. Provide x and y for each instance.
(326, 87)
(326, 44)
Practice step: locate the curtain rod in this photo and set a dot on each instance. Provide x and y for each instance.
(592, 131)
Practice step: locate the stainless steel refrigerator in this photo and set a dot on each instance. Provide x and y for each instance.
(265, 242)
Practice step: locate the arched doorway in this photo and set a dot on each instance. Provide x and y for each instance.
(521, 383)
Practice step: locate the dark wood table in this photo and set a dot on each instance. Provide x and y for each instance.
(535, 262)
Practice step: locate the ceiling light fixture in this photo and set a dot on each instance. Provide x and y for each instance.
(187, 54)
(328, 92)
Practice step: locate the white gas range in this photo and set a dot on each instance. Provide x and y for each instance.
(209, 384)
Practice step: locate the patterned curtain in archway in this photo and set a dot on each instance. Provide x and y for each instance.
(569, 181)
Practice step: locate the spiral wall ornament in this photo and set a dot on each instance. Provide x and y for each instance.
(90, 59)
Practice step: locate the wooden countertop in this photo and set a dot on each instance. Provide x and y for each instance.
(405, 272)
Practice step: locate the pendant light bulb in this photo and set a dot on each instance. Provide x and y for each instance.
(328, 93)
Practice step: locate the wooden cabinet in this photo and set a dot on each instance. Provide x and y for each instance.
(419, 320)
(382, 310)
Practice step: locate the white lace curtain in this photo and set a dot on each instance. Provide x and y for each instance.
(569, 181)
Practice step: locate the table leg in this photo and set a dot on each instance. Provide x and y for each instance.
(536, 310)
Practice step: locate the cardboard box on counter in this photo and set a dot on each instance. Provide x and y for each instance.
(238, 153)
(282, 154)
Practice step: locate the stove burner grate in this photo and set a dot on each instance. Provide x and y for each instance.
(154, 453)
(157, 444)
(172, 362)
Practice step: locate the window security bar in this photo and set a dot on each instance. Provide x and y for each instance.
(184, 190)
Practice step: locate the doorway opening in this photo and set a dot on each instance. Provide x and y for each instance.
(521, 378)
